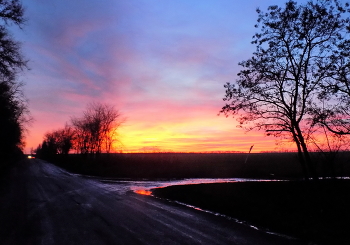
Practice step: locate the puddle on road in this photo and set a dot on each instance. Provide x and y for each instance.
(144, 192)
(145, 188)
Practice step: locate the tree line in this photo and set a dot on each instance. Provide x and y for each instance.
(14, 113)
(296, 86)
(92, 133)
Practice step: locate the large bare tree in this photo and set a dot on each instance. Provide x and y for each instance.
(278, 87)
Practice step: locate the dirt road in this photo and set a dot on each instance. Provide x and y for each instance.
(43, 204)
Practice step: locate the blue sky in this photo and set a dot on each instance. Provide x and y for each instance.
(162, 63)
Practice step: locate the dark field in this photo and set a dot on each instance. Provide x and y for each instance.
(314, 212)
(202, 165)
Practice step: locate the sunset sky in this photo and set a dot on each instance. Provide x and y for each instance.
(162, 63)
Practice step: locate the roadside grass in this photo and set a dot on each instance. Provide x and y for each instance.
(312, 212)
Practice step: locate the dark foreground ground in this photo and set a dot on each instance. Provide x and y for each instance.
(317, 212)
(43, 204)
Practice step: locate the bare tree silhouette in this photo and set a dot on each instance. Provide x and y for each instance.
(14, 113)
(58, 141)
(96, 131)
(279, 88)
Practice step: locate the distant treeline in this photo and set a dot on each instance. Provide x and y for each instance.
(194, 165)
(93, 133)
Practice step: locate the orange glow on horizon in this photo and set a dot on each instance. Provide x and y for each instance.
(143, 133)
(217, 134)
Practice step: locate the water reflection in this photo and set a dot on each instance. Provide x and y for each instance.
(144, 187)
(143, 192)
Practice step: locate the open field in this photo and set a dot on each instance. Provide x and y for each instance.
(318, 213)
(197, 165)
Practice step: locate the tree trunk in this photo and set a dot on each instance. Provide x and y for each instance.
(308, 161)
(301, 157)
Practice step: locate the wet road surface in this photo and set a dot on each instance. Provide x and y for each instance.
(43, 204)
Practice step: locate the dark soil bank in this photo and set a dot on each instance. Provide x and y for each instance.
(316, 212)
